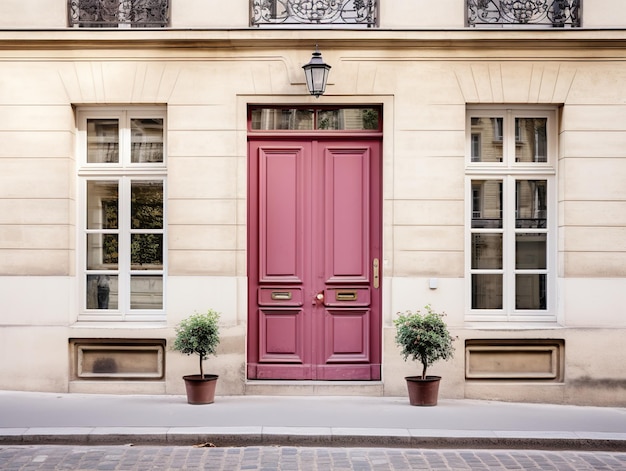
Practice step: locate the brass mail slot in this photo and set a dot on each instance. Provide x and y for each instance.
(281, 295)
(345, 296)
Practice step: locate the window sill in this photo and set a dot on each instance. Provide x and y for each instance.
(130, 325)
(514, 326)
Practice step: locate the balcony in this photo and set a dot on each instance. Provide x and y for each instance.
(504, 13)
(360, 13)
(119, 13)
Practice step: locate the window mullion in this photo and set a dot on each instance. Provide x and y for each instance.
(125, 149)
(124, 243)
(510, 210)
(509, 138)
(124, 229)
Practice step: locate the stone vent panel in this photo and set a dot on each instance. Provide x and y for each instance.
(131, 359)
(521, 359)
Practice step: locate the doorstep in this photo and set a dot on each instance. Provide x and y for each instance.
(313, 388)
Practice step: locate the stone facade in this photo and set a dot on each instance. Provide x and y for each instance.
(425, 68)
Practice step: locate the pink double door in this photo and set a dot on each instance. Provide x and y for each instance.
(314, 251)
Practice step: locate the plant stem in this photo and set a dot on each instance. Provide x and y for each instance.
(201, 370)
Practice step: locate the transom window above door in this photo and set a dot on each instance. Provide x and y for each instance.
(315, 119)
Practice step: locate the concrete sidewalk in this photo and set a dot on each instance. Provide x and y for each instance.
(29, 418)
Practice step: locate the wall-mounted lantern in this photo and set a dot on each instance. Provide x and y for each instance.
(316, 73)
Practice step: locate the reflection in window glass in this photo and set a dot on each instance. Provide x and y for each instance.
(530, 291)
(531, 201)
(486, 251)
(102, 251)
(103, 141)
(146, 135)
(476, 147)
(487, 204)
(102, 292)
(146, 292)
(340, 119)
(102, 204)
(146, 251)
(530, 250)
(146, 204)
(487, 139)
(348, 119)
(486, 291)
(268, 119)
(531, 140)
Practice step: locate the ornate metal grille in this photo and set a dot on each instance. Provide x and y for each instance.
(115, 13)
(313, 12)
(556, 13)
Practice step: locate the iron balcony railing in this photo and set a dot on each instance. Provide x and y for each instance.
(314, 12)
(497, 13)
(119, 13)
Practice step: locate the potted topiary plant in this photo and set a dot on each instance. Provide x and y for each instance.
(424, 338)
(199, 335)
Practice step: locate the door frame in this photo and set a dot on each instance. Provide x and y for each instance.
(374, 366)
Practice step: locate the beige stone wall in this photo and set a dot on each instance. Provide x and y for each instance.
(206, 92)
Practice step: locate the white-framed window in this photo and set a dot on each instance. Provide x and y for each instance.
(511, 213)
(122, 214)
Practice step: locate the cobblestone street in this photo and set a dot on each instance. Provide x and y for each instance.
(140, 458)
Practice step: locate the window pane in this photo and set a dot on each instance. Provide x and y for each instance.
(102, 292)
(102, 252)
(531, 200)
(146, 204)
(348, 119)
(102, 204)
(530, 251)
(146, 251)
(531, 141)
(146, 292)
(476, 147)
(488, 132)
(146, 140)
(103, 141)
(282, 119)
(486, 251)
(530, 291)
(487, 291)
(487, 204)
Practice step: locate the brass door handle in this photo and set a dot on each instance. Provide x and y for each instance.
(376, 269)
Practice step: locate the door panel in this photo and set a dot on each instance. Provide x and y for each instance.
(347, 335)
(313, 237)
(281, 334)
(346, 194)
(281, 213)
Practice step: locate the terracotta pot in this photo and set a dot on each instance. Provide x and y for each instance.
(200, 390)
(423, 392)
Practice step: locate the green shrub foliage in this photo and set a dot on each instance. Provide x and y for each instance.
(423, 337)
(198, 335)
